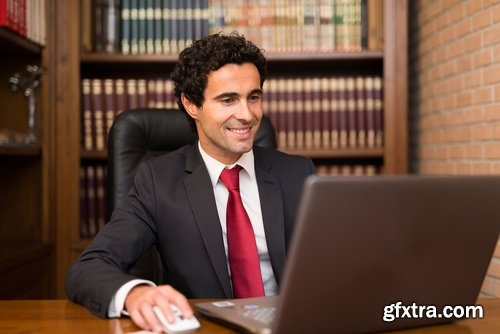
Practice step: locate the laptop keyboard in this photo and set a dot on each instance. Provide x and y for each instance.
(264, 315)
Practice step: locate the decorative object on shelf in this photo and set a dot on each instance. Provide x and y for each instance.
(28, 85)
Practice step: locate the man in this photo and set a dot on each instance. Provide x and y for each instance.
(180, 201)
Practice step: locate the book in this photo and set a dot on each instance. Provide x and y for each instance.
(110, 26)
(97, 103)
(88, 127)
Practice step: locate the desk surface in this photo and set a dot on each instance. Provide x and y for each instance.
(62, 316)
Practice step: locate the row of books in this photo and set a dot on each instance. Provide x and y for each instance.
(347, 170)
(302, 25)
(93, 198)
(167, 26)
(24, 17)
(307, 113)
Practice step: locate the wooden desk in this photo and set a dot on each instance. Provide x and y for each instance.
(62, 316)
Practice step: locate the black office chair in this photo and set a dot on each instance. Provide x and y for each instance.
(140, 134)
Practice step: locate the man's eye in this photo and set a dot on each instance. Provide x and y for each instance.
(227, 100)
(255, 98)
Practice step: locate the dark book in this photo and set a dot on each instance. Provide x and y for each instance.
(158, 27)
(174, 26)
(100, 197)
(342, 111)
(370, 112)
(361, 111)
(97, 103)
(134, 26)
(88, 127)
(282, 114)
(86, 18)
(298, 99)
(291, 116)
(166, 21)
(84, 208)
(316, 112)
(121, 98)
(334, 113)
(131, 93)
(125, 10)
(379, 111)
(91, 201)
(325, 90)
(308, 113)
(97, 31)
(150, 27)
(351, 112)
(110, 99)
(141, 19)
(142, 96)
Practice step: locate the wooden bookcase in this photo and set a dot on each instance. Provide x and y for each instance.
(26, 224)
(73, 65)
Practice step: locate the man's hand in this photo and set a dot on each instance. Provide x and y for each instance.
(141, 300)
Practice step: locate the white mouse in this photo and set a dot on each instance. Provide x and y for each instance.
(180, 325)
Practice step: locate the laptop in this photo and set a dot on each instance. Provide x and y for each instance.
(369, 251)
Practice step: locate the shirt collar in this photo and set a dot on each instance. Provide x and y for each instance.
(215, 167)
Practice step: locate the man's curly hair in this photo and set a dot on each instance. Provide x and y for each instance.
(208, 54)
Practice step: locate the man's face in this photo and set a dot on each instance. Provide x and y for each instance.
(231, 113)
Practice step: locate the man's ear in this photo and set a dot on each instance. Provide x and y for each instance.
(190, 107)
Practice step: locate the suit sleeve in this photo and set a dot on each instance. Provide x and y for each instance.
(102, 268)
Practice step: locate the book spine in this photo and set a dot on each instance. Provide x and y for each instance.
(98, 111)
(142, 93)
(325, 112)
(379, 111)
(91, 200)
(351, 112)
(150, 27)
(283, 121)
(141, 18)
(289, 110)
(97, 32)
(361, 111)
(158, 27)
(100, 197)
(370, 112)
(110, 25)
(299, 111)
(86, 25)
(334, 113)
(125, 9)
(88, 142)
(316, 96)
(132, 99)
(134, 27)
(308, 113)
(110, 97)
(342, 110)
(121, 99)
(84, 209)
(166, 18)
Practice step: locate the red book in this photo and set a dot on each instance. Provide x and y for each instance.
(334, 113)
(283, 122)
(271, 95)
(132, 97)
(98, 112)
(370, 112)
(308, 113)
(316, 112)
(110, 99)
(121, 98)
(100, 196)
(88, 128)
(351, 112)
(342, 110)
(325, 90)
(379, 111)
(142, 93)
(91, 200)
(298, 97)
(361, 111)
(290, 114)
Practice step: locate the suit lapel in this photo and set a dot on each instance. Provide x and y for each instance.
(271, 201)
(201, 198)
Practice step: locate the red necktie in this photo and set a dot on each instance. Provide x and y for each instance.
(242, 248)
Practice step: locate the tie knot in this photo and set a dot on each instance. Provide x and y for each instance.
(231, 177)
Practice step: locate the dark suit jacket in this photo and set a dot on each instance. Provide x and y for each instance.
(172, 205)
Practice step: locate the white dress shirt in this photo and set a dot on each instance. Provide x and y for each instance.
(250, 196)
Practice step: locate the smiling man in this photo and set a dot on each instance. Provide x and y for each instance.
(220, 212)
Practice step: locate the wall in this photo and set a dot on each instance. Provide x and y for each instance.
(454, 82)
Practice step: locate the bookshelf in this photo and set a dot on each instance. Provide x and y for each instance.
(26, 225)
(79, 63)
